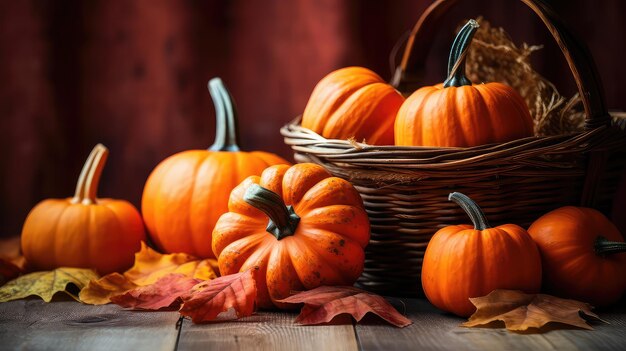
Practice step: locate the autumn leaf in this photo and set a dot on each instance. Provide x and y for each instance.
(520, 311)
(164, 293)
(12, 263)
(46, 284)
(149, 267)
(322, 304)
(208, 299)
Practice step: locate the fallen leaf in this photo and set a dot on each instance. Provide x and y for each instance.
(208, 299)
(149, 267)
(12, 263)
(46, 284)
(322, 304)
(520, 311)
(99, 291)
(164, 293)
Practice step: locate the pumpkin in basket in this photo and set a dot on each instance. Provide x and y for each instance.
(83, 231)
(299, 225)
(187, 192)
(458, 113)
(583, 255)
(462, 261)
(353, 102)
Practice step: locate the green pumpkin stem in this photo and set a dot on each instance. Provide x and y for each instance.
(283, 220)
(226, 136)
(472, 209)
(458, 55)
(603, 247)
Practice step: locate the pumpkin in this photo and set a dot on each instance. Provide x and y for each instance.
(462, 261)
(458, 113)
(83, 231)
(299, 226)
(582, 255)
(187, 192)
(353, 102)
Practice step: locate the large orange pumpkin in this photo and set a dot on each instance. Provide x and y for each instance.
(353, 102)
(187, 192)
(462, 261)
(318, 239)
(583, 255)
(83, 231)
(461, 114)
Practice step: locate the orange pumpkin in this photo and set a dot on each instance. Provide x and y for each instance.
(318, 239)
(582, 254)
(461, 114)
(187, 192)
(462, 261)
(83, 231)
(353, 102)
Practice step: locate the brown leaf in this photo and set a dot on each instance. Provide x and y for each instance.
(208, 299)
(164, 293)
(149, 267)
(520, 311)
(322, 304)
(12, 263)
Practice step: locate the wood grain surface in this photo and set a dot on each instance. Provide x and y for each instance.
(68, 325)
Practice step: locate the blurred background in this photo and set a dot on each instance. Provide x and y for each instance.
(132, 75)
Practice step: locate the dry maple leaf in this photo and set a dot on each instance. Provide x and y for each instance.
(322, 304)
(520, 311)
(46, 284)
(164, 293)
(208, 299)
(149, 267)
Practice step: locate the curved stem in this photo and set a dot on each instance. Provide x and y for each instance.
(602, 246)
(472, 209)
(226, 137)
(458, 54)
(283, 220)
(87, 185)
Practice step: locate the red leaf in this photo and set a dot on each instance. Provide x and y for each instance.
(322, 304)
(164, 293)
(209, 299)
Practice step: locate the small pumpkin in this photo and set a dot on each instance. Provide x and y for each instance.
(83, 231)
(299, 225)
(458, 113)
(187, 192)
(353, 102)
(462, 261)
(583, 255)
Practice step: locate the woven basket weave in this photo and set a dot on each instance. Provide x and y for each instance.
(405, 189)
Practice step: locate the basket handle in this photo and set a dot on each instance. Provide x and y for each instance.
(408, 74)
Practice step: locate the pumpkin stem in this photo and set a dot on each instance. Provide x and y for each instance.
(603, 247)
(226, 137)
(458, 54)
(472, 209)
(87, 185)
(283, 220)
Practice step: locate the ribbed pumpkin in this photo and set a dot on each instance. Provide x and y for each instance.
(317, 239)
(353, 102)
(187, 192)
(583, 255)
(462, 262)
(83, 231)
(458, 113)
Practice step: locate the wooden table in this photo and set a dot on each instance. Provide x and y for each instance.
(67, 325)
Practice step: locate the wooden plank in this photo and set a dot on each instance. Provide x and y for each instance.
(271, 331)
(435, 330)
(68, 325)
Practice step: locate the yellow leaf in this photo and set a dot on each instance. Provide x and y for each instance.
(46, 284)
(149, 267)
(99, 292)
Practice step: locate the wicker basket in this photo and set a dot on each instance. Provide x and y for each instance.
(405, 188)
